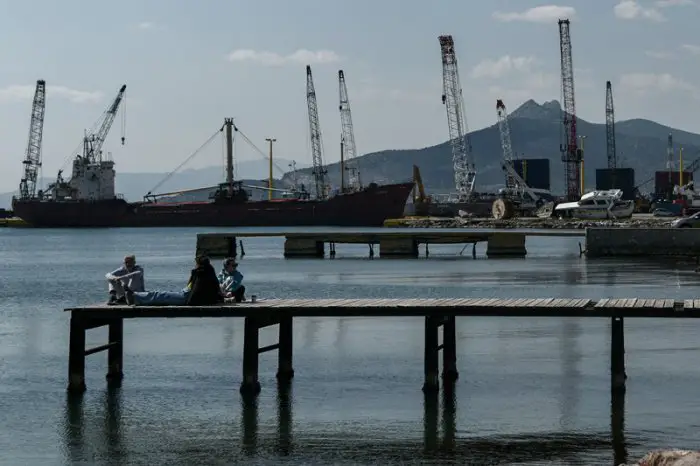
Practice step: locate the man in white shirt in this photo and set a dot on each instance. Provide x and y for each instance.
(130, 275)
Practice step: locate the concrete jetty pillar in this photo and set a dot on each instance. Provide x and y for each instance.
(303, 247)
(506, 245)
(431, 370)
(216, 245)
(398, 247)
(250, 384)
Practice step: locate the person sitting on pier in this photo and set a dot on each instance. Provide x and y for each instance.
(130, 275)
(231, 281)
(202, 289)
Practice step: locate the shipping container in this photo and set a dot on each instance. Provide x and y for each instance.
(535, 172)
(662, 187)
(618, 178)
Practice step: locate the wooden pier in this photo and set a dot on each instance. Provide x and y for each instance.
(437, 314)
(392, 243)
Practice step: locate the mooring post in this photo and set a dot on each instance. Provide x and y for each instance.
(431, 363)
(617, 354)
(449, 349)
(76, 355)
(285, 370)
(115, 353)
(250, 384)
(231, 246)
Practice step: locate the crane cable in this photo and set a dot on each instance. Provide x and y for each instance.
(193, 155)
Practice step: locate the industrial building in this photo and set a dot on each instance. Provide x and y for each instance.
(535, 172)
(616, 178)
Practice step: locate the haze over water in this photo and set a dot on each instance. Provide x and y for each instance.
(531, 391)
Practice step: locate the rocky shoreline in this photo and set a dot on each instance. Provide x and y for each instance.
(524, 223)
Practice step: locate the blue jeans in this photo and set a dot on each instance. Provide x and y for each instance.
(160, 298)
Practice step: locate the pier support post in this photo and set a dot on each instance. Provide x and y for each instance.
(617, 354)
(449, 350)
(506, 245)
(285, 371)
(431, 363)
(250, 384)
(115, 353)
(76, 355)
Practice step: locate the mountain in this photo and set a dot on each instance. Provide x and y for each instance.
(535, 133)
(134, 185)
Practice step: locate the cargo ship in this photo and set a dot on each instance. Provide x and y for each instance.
(89, 199)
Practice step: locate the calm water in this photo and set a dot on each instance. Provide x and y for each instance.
(531, 391)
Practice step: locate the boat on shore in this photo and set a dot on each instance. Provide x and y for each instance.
(597, 205)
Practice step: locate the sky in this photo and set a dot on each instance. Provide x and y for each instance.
(188, 65)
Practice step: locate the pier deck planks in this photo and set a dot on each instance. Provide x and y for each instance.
(523, 307)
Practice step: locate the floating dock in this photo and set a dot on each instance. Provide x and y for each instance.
(392, 243)
(437, 313)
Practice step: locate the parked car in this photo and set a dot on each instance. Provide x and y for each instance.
(688, 222)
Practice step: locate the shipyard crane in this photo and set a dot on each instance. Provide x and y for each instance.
(464, 168)
(32, 160)
(506, 146)
(347, 138)
(92, 143)
(319, 169)
(610, 126)
(571, 155)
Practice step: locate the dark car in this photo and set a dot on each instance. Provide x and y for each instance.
(688, 222)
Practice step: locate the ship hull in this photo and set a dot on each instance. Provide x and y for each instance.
(366, 208)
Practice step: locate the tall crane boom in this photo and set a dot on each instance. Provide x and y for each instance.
(464, 168)
(571, 155)
(32, 160)
(348, 134)
(93, 142)
(506, 145)
(610, 126)
(319, 170)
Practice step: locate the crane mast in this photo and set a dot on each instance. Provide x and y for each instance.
(506, 145)
(347, 137)
(464, 168)
(32, 160)
(319, 170)
(571, 155)
(92, 149)
(669, 156)
(610, 126)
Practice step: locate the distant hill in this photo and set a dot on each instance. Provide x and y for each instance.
(134, 185)
(535, 133)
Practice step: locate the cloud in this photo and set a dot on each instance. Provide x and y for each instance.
(664, 82)
(691, 48)
(630, 9)
(539, 14)
(300, 57)
(26, 92)
(502, 66)
(146, 25)
(669, 3)
(658, 54)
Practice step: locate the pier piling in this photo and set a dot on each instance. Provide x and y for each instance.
(76, 355)
(115, 352)
(617, 354)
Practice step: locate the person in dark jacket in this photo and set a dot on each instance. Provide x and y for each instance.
(204, 284)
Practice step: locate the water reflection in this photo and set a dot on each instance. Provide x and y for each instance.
(617, 427)
(570, 374)
(441, 443)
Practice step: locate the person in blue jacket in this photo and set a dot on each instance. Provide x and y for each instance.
(231, 281)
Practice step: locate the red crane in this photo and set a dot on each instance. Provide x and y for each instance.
(571, 155)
